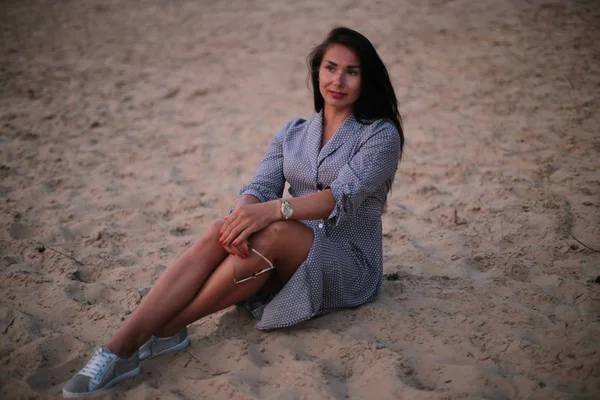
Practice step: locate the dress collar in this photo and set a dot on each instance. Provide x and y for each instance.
(315, 134)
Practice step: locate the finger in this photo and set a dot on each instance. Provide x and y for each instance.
(245, 246)
(228, 219)
(243, 236)
(236, 251)
(241, 252)
(226, 230)
(233, 233)
(231, 250)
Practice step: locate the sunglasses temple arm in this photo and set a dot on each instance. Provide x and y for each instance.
(264, 258)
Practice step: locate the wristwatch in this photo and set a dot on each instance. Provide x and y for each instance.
(287, 210)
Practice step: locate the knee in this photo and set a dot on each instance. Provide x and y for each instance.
(275, 230)
(270, 236)
(215, 226)
(210, 234)
(213, 229)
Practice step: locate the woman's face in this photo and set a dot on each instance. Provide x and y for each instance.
(339, 77)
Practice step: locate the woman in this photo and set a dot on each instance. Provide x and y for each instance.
(284, 261)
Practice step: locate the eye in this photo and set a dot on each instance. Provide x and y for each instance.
(329, 68)
(353, 72)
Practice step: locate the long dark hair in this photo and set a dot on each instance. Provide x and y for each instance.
(377, 98)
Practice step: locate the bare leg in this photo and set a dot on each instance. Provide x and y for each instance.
(173, 290)
(285, 243)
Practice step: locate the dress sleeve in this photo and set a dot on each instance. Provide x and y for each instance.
(268, 181)
(372, 165)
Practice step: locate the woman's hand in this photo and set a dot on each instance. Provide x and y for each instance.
(242, 250)
(246, 220)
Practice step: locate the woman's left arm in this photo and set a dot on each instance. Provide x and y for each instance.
(250, 218)
(372, 166)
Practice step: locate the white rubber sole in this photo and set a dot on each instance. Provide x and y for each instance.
(109, 384)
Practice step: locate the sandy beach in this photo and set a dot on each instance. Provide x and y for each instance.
(126, 127)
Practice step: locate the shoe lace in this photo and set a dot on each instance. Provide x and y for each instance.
(95, 367)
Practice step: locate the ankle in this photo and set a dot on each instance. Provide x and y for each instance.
(123, 352)
(164, 333)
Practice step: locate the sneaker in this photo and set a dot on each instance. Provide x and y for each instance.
(157, 346)
(103, 370)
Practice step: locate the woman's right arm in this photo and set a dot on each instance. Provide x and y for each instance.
(246, 199)
(268, 181)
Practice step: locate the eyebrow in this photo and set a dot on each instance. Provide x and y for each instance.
(349, 66)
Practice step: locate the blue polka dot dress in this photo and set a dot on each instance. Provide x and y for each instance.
(344, 265)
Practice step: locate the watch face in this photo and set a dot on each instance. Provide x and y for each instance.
(287, 210)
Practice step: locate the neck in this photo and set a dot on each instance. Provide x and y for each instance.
(334, 116)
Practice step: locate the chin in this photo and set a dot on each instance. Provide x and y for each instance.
(339, 105)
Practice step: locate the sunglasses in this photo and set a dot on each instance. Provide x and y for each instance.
(253, 276)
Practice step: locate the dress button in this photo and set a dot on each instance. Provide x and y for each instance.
(319, 186)
(320, 226)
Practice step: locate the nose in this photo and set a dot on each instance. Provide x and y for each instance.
(339, 79)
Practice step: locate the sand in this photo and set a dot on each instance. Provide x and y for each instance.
(126, 127)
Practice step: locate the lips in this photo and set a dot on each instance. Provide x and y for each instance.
(336, 95)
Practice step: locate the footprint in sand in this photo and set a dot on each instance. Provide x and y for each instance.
(51, 380)
(19, 231)
(89, 293)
